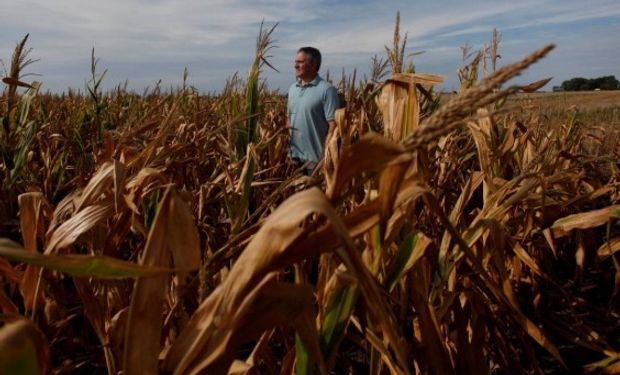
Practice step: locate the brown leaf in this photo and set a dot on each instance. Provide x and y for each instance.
(419, 78)
(30, 211)
(143, 335)
(609, 248)
(119, 182)
(268, 305)
(259, 258)
(370, 154)
(534, 86)
(109, 175)
(584, 220)
(10, 273)
(29, 215)
(94, 313)
(467, 192)
(147, 180)
(15, 82)
(438, 358)
(182, 234)
(240, 368)
(473, 235)
(389, 184)
(399, 104)
(526, 258)
(270, 249)
(481, 131)
(173, 234)
(69, 231)
(6, 305)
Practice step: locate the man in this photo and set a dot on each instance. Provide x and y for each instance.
(312, 103)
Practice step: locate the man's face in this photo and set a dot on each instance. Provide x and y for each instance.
(304, 69)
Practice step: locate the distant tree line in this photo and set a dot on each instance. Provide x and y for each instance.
(585, 84)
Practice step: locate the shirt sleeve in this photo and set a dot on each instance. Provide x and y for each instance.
(331, 103)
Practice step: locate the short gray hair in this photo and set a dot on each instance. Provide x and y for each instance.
(313, 54)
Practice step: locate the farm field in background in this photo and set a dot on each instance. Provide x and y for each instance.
(474, 233)
(564, 101)
(583, 100)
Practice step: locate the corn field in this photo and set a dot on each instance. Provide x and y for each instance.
(168, 232)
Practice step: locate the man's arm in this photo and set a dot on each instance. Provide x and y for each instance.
(330, 105)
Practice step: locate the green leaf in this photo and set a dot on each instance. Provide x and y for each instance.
(23, 349)
(303, 365)
(79, 265)
(7, 159)
(21, 151)
(26, 101)
(337, 314)
(411, 249)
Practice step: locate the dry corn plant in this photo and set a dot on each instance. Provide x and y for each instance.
(467, 238)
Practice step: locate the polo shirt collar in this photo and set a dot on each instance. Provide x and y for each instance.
(314, 82)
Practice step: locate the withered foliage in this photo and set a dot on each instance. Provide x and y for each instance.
(464, 236)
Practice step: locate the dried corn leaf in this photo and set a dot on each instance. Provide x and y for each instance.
(372, 153)
(467, 192)
(389, 186)
(474, 234)
(481, 133)
(271, 249)
(30, 213)
(95, 314)
(431, 337)
(109, 175)
(584, 220)
(15, 82)
(10, 273)
(6, 305)
(241, 368)
(609, 248)
(69, 231)
(267, 305)
(534, 86)
(182, 234)
(424, 79)
(259, 258)
(146, 181)
(142, 339)
(399, 104)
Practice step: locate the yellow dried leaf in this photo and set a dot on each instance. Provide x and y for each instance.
(584, 220)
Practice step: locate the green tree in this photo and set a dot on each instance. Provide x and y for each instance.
(584, 84)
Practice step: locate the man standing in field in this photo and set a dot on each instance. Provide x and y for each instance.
(312, 103)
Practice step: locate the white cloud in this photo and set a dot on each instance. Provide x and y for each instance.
(147, 40)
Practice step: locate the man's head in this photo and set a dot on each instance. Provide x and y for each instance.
(307, 63)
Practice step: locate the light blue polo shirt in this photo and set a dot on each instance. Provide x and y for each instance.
(310, 107)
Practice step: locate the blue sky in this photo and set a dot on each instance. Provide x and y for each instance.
(144, 41)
